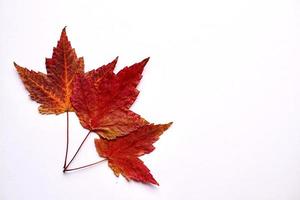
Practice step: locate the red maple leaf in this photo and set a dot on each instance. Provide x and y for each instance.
(122, 154)
(102, 99)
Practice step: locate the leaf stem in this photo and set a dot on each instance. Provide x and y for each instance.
(85, 166)
(67, 146)
(77, 151)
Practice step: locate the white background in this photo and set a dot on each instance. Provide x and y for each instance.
(226, 72)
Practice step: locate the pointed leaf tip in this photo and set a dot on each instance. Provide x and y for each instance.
(145, 61)
(116, 59)
(63, 35)
(169, 124)
(64, 29)
(155, 182)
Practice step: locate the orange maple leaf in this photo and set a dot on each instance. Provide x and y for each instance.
(53, 90)
(122, 154)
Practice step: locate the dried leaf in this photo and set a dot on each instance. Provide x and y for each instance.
(122, 154)
(102, 99)
(53, 90)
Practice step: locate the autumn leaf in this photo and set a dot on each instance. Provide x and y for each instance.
(53, 90)
(102, 99)
(122, 154)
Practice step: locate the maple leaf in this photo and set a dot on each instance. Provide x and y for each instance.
(53, 90)
(102, 99)
(122, 154)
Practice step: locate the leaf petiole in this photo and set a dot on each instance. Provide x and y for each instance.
(65, 168)
(85, 166)
(67, 146)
